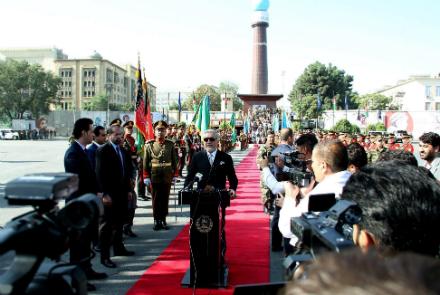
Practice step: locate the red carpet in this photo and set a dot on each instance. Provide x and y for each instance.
(247, 232)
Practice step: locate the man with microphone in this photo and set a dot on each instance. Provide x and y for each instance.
(210, 168)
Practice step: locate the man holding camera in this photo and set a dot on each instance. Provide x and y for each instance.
(329, 165)
(263, 152)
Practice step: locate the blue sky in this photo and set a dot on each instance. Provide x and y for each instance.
(187, 43)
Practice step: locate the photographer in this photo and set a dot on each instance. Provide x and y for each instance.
(263, 152)
(400, 208)
(329, 164)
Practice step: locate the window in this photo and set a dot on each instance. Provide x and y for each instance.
(437, 91)
(85, 73)
(85, 93)
(437, 106)
(427, 106)
(85, 83)
(428, 91)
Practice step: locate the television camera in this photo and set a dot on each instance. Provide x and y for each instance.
(44, 233)
(330, 230)
(297, 172)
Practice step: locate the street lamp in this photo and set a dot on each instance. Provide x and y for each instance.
(108, 89)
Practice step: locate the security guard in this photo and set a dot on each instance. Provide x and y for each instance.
(160, 171)
(129, 146)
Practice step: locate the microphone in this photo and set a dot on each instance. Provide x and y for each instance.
(198, 177)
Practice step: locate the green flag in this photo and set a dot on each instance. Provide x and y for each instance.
(234, 132)
(204, 119)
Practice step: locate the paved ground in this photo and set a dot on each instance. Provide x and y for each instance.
(21, 157)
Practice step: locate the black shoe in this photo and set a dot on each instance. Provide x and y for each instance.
(129, 232)
(123, 252)
(94, 275)
(277, 248)
(91, 287)
(157, 225)
(164, 225)
(108, 263)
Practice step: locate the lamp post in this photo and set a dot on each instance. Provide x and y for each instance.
(108, 89)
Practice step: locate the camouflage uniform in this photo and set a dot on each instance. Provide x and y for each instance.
(266, 195)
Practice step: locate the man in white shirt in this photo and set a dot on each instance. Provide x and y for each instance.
(430, 152)
(329, 164)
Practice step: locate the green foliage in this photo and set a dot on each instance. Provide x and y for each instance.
(376, 127)
(174, 106)
(97, 103)
(296, 126)
(375, 101)
(26, 88)
(328, 82)
(224, 125)
(345, 126)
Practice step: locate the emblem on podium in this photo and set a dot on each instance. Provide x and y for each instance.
(204, 224)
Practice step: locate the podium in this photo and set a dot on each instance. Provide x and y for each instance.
(207, 268)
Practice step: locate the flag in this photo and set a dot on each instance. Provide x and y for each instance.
(346, 102)
(196, 111)
(359, 115)
(246, 126)
(234, 131)
(179, 103)
(379, 115)
(275, 123)
(139, 112)
(334, 103)
(204, 118)
(284, 123)
(319, 102)
(148, 117)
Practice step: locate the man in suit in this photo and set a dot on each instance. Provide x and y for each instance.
(113, 171)
(76, 161)
(215, 166)
(99, 139)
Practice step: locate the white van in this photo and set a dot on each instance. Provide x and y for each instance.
(8, 134)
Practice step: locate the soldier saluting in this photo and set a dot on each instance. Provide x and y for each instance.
(160, 171)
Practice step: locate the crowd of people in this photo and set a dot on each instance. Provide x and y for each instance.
(399, 200)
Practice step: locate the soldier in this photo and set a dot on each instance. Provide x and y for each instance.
(406, 144)
(181, 143)
(160, 171)
(374, 152)
(392, 145)
(129, 146)
(265, 151)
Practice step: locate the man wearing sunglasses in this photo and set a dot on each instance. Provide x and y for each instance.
(215, 166)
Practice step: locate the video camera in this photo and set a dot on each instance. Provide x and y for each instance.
(330, 230)
(297, 165)
(44, 233)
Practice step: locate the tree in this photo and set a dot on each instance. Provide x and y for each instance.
(345, 126)
(26, 88)
(97, 103)
(375, 101)
(327, 81)
(174, 106)
(231, 90)
(192, 101)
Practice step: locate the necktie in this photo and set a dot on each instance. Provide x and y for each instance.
(211, 158)
(120, 158)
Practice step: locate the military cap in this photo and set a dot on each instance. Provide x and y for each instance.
(116, 122)
(160, 124)
(181, 124)
(128, 124)
(406, 136)
(391, 135)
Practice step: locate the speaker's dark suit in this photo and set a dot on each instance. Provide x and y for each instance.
(91, 153)
(215, 175)
(76, 161)
(114, 181)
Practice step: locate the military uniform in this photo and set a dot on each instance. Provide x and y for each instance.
(266, 195)
(181, 144)
(375, 150)
(160, 166)
(407, 147)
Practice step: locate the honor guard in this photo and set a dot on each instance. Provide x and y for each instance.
(129, 146)
(160, 171)
(406, 144)
(379, 147)
(181, 143)
(392, 145)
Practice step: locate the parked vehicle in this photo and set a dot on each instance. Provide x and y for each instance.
(8, 134)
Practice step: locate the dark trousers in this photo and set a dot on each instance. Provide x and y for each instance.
(160, 194)
(277, 238)
(182, 161)
(110, 230)
(80, 246)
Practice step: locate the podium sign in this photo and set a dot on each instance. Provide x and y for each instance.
(207, 268)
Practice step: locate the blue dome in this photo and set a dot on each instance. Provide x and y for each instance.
(261, 5)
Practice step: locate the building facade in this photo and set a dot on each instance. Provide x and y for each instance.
(417, 93)
(42, 56)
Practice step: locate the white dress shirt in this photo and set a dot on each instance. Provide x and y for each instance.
(211, 156)
(330, 184)
(276, 187)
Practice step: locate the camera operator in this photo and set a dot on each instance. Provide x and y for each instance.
(400, 208)
(329, 165)
(265, 150)
(76, 161)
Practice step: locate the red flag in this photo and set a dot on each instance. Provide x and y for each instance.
(139, 112)
(148, 118)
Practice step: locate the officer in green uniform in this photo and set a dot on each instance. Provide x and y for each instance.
(263, 152)
(160, 171)
(378, 147)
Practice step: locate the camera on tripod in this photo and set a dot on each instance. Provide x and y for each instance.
(44, 233)
(297, 165)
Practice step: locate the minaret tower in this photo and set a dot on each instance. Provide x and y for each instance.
(259, 60)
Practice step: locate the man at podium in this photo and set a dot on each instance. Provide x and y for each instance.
(213, 167)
